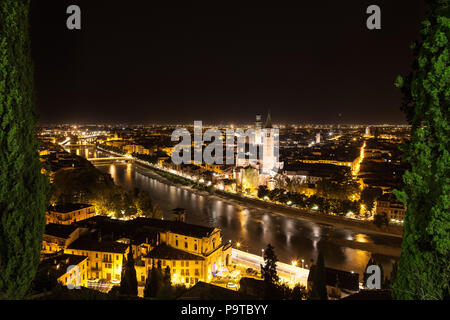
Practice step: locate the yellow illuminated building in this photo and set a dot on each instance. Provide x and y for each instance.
(57, 237)
(168, 150)
(67, 269)
(69, 213)
(351, 164)
(105, 258)
(388, 205)
(193, 253)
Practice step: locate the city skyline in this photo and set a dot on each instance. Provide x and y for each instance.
(157, 151)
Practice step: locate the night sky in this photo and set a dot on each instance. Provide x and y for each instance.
(141, 62)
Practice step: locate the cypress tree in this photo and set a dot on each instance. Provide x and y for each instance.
(167, 278)
(155, 283)
(147, 291)
(165, 291)
(384, 280)
(269, 270)
(423, 271)
(269, 274)
(393, 275)
(22, 186)
(128, 283)
(366, 274)
(319, 289)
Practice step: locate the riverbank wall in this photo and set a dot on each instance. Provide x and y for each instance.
(369, 226)
(309, 215)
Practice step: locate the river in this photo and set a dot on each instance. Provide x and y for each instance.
(293, 238)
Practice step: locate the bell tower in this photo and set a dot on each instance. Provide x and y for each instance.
(268, 154)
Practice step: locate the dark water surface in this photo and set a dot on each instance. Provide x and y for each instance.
(254, 228)
(293, 239)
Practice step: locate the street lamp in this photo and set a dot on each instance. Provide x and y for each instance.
(238, 244)
(294, 263)
(303, 263)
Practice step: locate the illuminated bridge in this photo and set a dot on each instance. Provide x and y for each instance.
(111, 159)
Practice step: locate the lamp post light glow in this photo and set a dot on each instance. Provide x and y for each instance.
(292, 271)
(238, 244)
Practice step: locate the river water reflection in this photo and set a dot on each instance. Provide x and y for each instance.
(293, 239)
(254, 228)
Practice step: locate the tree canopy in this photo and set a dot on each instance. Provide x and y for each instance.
(23, 188)
(423, 270)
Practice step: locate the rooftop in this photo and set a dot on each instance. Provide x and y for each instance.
(187, 229)
(59, 263)
(314, 169)
(100, 246)
(166, 252)
(59, 230)
(388, 197)
(141, 226)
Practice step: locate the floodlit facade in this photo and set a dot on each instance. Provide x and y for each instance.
(105, 258)
(68, 269)
(69, 213)
(392, 208)
(194, 253)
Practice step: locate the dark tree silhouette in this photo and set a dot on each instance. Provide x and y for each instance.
(423, 270)
(23, 188)
(269, 273)
(129, 284)
(319, 290)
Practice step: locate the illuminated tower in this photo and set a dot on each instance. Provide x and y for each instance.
(269, 160)
(318, 137)
(258, 125)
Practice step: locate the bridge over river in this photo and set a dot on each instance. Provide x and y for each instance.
(293, 238)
